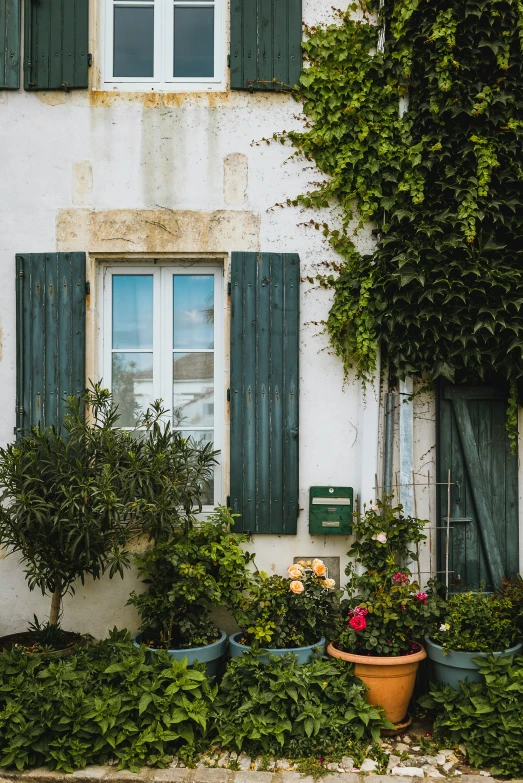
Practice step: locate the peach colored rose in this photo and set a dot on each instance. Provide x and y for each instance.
(295, 571)
(319, 568)
(296, 586)
(329, 583)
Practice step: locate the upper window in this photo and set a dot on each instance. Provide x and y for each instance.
(166, 44)
(162, 338)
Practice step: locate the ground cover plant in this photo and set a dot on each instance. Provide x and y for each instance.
(417, 122)
(187, 576)
(293, 611)
(284, 708)
(106, 701)
(478, 622)
(387, 612)
(487, 717)
(71, 500)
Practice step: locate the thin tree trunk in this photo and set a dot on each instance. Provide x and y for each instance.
(56, 601)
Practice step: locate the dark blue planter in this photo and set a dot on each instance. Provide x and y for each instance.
(303, 654)
(456, 666)
(211, 655)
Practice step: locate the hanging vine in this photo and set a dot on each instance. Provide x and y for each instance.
(443, 183)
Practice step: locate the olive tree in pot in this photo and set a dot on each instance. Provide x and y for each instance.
(71, 500)
(197, 569)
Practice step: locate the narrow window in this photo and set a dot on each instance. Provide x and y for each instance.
(133, 38)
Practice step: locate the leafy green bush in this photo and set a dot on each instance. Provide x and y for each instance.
(284, 707)
(187, 576)
(477, 622)
(386, 613)
(513, 590)
(293, 611)
(486, 717)
(71, 501)
(107, 701)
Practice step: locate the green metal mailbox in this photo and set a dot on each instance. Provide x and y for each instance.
(330, 510)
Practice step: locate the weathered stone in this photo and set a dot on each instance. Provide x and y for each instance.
(447, 766)
(332, 766)
(416, 748)
(171, 775)
(212, 776)
(93, 773)
(440, 759)
(223, 760)
(369, 765)
(345, 777)
(244, 761)
(283, 764)
(124, 775)
(393, 762)
(253, 777)
(43, 774)
(386, 779)
(432, 772)
(347, 763)
(406, 739)
(402, 748)
(409, 772)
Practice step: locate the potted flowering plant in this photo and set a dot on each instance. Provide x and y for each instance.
(386, 612)
(196, 570)
(287, 614)
(475, 624)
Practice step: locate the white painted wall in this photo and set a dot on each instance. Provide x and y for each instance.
(107, 151)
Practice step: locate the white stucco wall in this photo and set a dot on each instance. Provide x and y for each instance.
(69, 161)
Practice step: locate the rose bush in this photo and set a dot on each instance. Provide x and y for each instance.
(386, 610)
(293, 611)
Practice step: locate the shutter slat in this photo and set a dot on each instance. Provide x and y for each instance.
(265, 44)
(56, 44)
(10, 33)
(264, 391)
(50, 335)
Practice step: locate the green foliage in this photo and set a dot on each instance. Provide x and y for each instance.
(513, 590)
(294, 611)
(424, 139)
(187, 576)
(47, 635)
(284, 707)
(478, 622)
(70, 501)
(485, 717)
(104, 702)
(386, 612)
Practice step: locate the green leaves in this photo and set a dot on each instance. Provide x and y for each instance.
(486, 717)
(326, 705)
(67, 713)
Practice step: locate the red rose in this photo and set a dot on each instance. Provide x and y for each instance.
(358, 622)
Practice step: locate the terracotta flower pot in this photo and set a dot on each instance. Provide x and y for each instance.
(390, 681)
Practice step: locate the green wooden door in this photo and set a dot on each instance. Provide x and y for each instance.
(472, 443)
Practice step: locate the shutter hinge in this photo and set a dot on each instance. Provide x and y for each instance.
(228, 61)
(21, 273)
(228, 395)
(229, 288)
(87, 288)
(228, 501)
(89, 59)
(21, 410)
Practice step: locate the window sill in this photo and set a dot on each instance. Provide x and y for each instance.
(162, 88)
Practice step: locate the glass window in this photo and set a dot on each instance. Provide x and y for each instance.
(133, 40)
(159, 341)
(193, 40)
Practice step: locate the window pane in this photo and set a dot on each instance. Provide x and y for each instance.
(193, 389)
(203, 437)
(132, 311)
(132, 385)
(193, 41)
(193, 304)
(133, 41)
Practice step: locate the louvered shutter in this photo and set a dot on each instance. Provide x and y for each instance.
(50, 335)
(264, 391)
(10, 34)
(265, 44)
(56, 44)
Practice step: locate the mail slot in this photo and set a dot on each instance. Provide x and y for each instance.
(330, 510)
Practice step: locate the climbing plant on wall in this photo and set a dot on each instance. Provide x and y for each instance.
(422, 137)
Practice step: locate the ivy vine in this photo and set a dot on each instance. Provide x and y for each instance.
(441, 180)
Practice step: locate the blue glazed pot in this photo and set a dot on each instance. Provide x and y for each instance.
(457, 666)
(303, 654)
(211, 655)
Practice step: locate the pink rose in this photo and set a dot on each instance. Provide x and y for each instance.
(358, 622)
(421, 597)
(400, 578)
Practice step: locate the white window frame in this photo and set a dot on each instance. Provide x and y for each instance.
(163, 343)
(164, 50)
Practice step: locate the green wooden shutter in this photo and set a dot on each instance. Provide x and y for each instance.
(472, 443)
(264, 391)
(10, 42)
(265, 44)
(50, 317)
(56, 44)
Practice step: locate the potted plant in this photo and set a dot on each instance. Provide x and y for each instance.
(287, 614)
(474, 625)
(71, 500)
(387, 612)
(199, 568)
